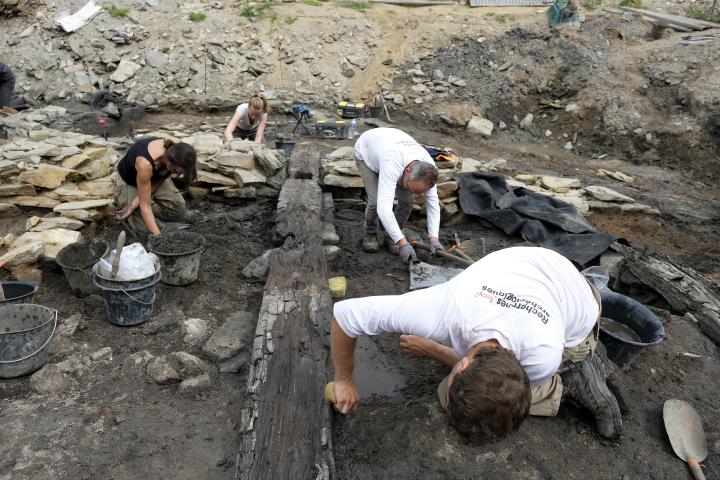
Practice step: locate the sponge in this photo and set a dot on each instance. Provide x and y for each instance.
(338, 287)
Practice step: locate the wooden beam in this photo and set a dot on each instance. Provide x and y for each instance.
(285, 424)
(685, 289)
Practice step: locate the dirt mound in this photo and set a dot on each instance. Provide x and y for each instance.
(609, 88)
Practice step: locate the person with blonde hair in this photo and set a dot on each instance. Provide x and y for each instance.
(249, 120)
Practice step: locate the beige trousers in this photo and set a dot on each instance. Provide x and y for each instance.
(545, 400)
(167, 203)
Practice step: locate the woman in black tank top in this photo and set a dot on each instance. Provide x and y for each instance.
(146, 166)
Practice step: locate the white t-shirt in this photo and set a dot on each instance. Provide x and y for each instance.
(387, 151)
(531, 300)
(244, 121)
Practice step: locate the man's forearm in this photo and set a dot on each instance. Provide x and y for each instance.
(342, 352)
(444, 354)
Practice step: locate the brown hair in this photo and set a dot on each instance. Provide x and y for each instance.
(259, 102)
(491, 398)
(181, 155)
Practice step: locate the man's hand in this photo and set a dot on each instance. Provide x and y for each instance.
(435, 245)
(407, 253)
(415, 346)
(346, 396)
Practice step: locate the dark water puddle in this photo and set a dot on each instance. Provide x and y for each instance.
(374, 374)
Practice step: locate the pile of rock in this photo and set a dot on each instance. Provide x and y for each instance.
(70, 175)
(425, 86)
(339, 171)
(66, 173)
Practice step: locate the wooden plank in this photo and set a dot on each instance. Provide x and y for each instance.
(670, 20)
(285, 424)
(685, 289)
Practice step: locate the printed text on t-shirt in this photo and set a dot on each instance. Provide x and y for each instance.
(509, 300)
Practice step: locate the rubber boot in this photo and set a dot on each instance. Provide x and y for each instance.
(585, 382)
(370, 243)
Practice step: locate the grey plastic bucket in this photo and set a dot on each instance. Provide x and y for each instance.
(25, 333)
(128, 303)
(18, 291)
(638, 318)
(179, 268)
(77, 260)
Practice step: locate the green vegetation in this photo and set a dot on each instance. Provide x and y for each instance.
(290, 20)
(257, 10)
(360, 6)
(196, 16)
(592, 4)
(312, 3)
(274, 17)
(501, 17)
(709, 15)
(115, 11)
(631, 3)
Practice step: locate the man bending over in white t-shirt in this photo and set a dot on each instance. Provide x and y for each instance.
(519, 329)
(392, 164)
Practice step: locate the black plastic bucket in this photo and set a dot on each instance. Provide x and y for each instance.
(18, 291)
(77, 260)
(638, 318)
(179, 268)
(128, 302)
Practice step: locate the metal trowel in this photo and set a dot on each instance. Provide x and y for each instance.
(685, 431)
(424, 275)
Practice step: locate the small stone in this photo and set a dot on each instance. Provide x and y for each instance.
(156, 59)
(193, 331)
(45, 176)
(559, 183)
(608, 195)
(215, 179)
(568, 146)
(187, 365)
(53, 240)
(343, 181)
(70, 325)
(23, 255)
(235, 159)
(125, 70)
(104, 353)
(249, 177)
(236, 364)
(195, 384)
(481, 126)
(8, 210)
(526, 122)
(228, 340)
(49, 380)
(160, 370)
(257, 269)
(164, 321)
(446, 189)
(12, 189)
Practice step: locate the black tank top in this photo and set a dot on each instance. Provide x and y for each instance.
(126, 166)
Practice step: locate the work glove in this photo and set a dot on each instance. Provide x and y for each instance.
(435, 245)
(407, 253)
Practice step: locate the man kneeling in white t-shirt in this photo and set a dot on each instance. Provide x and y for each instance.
(519, 329)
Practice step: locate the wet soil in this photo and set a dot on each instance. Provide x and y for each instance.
(114, 422)
(175, 243)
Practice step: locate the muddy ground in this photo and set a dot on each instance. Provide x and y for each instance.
(114, 422)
